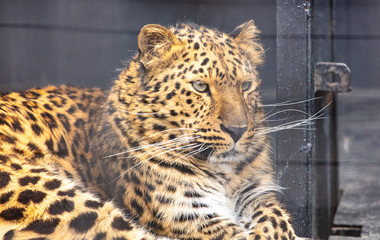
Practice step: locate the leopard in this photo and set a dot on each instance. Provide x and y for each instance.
(175, 149)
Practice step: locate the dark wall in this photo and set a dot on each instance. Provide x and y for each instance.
(83, 42)
(357, 40)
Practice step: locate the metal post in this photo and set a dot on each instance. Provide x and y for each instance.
(295, 148)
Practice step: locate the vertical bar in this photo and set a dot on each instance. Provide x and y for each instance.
(326, 157)
(294, 148)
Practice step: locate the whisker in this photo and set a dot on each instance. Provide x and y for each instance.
(138, 113)
(183, 137)
(172, 129)
(142, 162)
(287, 103)
(285, 110)
(294, 124)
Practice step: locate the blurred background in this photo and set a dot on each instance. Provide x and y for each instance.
(85, 42)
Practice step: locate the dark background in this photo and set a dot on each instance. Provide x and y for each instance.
(83, 42)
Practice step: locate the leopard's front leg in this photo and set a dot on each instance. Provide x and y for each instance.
(267, 219)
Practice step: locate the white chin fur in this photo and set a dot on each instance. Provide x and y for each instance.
(220, 158)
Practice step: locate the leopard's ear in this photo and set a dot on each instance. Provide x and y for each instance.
(247, 35)
(153, 41)
(245, 32)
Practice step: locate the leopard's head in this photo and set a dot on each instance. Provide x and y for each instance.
(191, 92)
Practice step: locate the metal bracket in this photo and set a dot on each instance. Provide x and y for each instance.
(324, 82)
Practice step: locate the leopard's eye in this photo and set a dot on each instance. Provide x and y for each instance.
(200, 86)
(245, 86)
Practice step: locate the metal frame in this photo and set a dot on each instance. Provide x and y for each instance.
(295, 149)
(307, 159)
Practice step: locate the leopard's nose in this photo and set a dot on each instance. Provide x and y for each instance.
(234, 132)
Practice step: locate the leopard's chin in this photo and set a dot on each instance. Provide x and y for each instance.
(229, 157)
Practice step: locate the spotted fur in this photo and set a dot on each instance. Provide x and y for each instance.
(171, 150)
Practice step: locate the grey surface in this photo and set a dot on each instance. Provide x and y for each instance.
(359, 137)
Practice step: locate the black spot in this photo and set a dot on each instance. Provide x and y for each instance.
(284, 226)
(93, 204)
(53, 184)
(3, 158)
(61, 206)
(15, 166)
(26, 180)
(31, 116)
(157, 87)
(65, 121)
(9, 235)
(257, 214)
(177, 85)
(154, 225)
(262, 219)
(79, 123)
(71, 110)
(5, 197)
(189, 101)
(12, 213)
(16, 125)
(43, 227)
(37, 152)
(274, 222)
(83, 222)
(29, 195)
(164, 200)
(205, 61)
(119, 238)
(4, 179)
(36, 129)
(120, 224)
(150, 187)
(173, 113)
(49, 144)
(138, 192)
(38, 238)
(249, 188)
(177, 166)
(49, 119)
(170, 95)
(257, 237)
(38, 170)
(7, 139)
(135, 178)
(138, 208)
(277, 212)
(174, 123)
(192, 194)
(47, 106)
(183, 217)
(159, 127)
(100, 236)
(69, 193)
(68, 174)
(196, 46)
(62, 148)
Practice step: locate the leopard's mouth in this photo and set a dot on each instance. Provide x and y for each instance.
(208, 153)
(204, 152)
